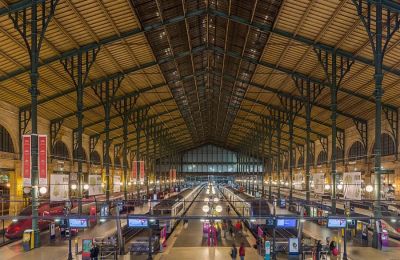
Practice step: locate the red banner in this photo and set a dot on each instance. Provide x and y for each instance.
(174, 174)
(170, 175)
(134, 171)
(26, 159)
(142, 171)
(42, 166)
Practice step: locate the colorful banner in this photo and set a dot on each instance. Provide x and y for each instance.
(26, 159)
(42, 160)
(117, 183)
(134, 171)
(319, 182)
(298, 181)
(141, 171)
(170, 174)
(95, 185)
(352, 185)
(59, 187)
(173, 174)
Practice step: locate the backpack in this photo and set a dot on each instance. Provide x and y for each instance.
(234, 252)
(335, 251)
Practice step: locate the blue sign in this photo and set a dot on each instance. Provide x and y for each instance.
(282, 203)
(270, 223)
(138, 222)
(336, 223)
(286, 223)
(78, 223)
(267, 250)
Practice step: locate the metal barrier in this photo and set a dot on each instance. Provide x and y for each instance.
(306, 253)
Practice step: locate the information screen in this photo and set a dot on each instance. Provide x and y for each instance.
(78, 223)
(286, 223)
(138, 222)
(336, 222)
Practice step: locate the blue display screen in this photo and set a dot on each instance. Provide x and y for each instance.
(286, 223)
(78, 223)
(336, 222)
(138, 222)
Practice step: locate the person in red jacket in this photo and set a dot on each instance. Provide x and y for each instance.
(241, 251)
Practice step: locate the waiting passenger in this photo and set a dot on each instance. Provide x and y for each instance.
(319, 249)
(233, 252)
(241, 251)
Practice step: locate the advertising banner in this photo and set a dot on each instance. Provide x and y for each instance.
(42, 160)
(95, 185)
(352, 185)
(173, 174)
(59, 187)
(319, 182)
(293, 246)
(117, 183)
(298, 181)
(26, 159)
(141, 171)
(134, 175)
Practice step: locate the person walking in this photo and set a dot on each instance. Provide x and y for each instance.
(231, 230)
(94, 252)
(228, 209)
(233, 252)
(319, 249)
(241, 251)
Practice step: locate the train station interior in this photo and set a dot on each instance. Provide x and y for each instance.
(199, 129)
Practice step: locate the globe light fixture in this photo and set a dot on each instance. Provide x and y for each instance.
(340, 186)
(218, 208)
(369, 188)
(206, 208)
(73, 187)
(86, 186)
(215, 199)
(43, 190)
(327, 186)
(206, 199)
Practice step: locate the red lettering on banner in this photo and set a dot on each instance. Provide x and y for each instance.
(134, 170)
(141, 170)
(27, 159)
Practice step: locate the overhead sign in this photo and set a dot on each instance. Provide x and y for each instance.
(42, 159)
(26, 159)
(270, 223)
(352, 185)
(336, 223)
(286, 223)
(78, 223)
(138, 222)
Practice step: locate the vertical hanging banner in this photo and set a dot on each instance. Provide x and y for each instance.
(352, 185)
(173, 174)
(142, 171)
(26, 159)
(42, 159)
(319, 183)
(134, 171)
(117, 183)
(170, 175)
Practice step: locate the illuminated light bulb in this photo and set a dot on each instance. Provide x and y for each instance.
(369, 188)
(206, 200)
(85, 186)
(327, 186)
(206, 208)
(340, 186)
(73, 187)
(43, 190)
(218, 208)
(216, 199)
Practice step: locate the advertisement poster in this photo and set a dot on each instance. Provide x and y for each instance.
(319, 183)
(95, 185)
(117, 183)
(298, 181)
(170, 174)
(142, 171)
(86, 246)
(173, 174)
(134, 175)
(59, 187)
(352, 185)
(26, 159)
(42, 160)
(293, 246)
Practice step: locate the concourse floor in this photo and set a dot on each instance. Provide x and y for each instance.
(188, 243)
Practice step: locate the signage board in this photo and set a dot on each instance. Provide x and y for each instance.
(26, 159)
(352, 185)
(293, 246)
(95, 185)
(286, 223)
(78, 223)
(42, 159)
(270, 223)
(267, 246)
(86, 246)
(319, 182)
(59, 188)
(138, 222)
(336, 223)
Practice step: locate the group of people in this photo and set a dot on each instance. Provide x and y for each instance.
(234, 251)
(330, 247)
(234, 230)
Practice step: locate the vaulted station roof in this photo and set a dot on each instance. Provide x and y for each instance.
(210, 71)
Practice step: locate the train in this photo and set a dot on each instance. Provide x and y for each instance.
(175, 206)
(254, 210)
(55, 209)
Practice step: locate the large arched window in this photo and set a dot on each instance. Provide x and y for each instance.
(322, 158)
(117, 162)
(339, 154)
(95, 158)
(387, 145)
(84, 157)
(357, 151)
(286, 165)
(300, 162)
(6, 143)
(60, 151)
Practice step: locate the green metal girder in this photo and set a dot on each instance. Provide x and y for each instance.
(18, 6)
(135, 109)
